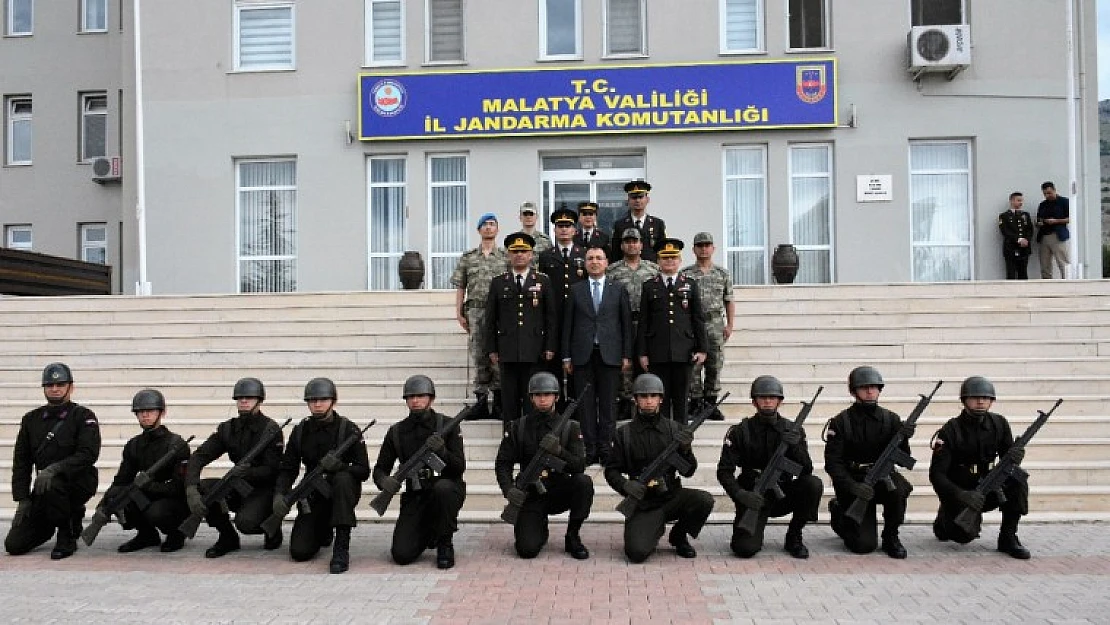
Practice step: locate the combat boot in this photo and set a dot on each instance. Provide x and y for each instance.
(340, 551)
(228, 540)
(794, 545)
(836, 517)
(272, 542)
(573, 545)
(1010, 545)
(66, 545)
(681, 543)
(147, 537)
(716, 415)
(175, 540)
(892, 546)
(445, 554)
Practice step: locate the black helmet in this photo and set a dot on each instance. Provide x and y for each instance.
(864, 376)
(648, 384)
(767, 386)
(148, 399)
(57, 373)
(543, 382)
(977, 386)
(418, 385)
(320, 388)
(249, 387)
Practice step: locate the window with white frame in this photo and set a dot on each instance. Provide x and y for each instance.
(560, 29)
(266, 217)
(448, 200)
(19, 131)
(745, 178)
(94, 16)
(18, 237)
(940, 205)
(388, 225)
(264, 36)
(625, 32)
(94, 125)
(808, 23)
(741, 25)
(936, 12)
(21, 17)
(811, 211)
(94, 243)
(445, 31)
(385, 32)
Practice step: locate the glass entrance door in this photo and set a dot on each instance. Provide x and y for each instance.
(566, 188)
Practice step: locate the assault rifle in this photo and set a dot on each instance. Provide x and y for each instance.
(667, 459)
(423, 458)
(776, 466)
(129, 494)
(313, 482)
(1006, 468)
(219, 493)
(880, 471)
(541, 463)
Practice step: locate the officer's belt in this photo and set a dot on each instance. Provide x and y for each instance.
(860, 466)
(973, 469)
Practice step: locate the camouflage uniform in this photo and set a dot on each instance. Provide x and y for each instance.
(543, 243)
(716, 293)
(474, 273)
(633, 280)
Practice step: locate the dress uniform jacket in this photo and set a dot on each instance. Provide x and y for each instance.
(521, 324)
(1015, 225)
(598, 238)
(672, 322)
(652, 231)
(563, 273)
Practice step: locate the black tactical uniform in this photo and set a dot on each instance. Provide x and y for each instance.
(1016, 225)
(166, 490)
(670, 330)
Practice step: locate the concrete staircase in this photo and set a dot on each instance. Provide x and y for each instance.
(1036, 340)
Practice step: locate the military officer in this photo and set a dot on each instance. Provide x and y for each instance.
(565, 263)
(589, 235)
(652, 229)
(715, 288)
(528, 219)
(964, 451)
(631, 271)
(670, 336)
(1016, 227)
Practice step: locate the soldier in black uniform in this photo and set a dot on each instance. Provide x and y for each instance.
(589, 235)
(749, 446)
(165, 489)
(652, 229)
(236, 437)
(671, 335)
(964, 451)
(521, 324)
(1016, 227)
(62, 441)
(636, 445)
(429, 514)
(854, 440)
(312, 442)
(567, 490)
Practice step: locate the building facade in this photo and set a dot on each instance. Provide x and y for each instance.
(277, 157)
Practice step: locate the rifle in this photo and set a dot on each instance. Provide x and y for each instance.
(313, 482)
(892, 455)
(776, 466)
(1006, 468)
(664, 461)
(219, 493)
(541, 463)
(423, 458)
(128, 495)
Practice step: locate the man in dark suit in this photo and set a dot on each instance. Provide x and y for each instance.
(589, 235)
(521, 325)
(652, 229)
(597, 344)
(671, 335)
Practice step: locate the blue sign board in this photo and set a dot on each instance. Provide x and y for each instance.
(598, 100)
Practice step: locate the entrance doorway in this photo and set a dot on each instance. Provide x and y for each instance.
(569, 180)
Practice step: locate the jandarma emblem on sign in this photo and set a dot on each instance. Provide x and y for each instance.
(387, 98)
(812, 85)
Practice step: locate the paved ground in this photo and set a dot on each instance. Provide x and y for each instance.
(1065, 582)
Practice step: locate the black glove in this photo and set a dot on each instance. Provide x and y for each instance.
(516, 496)
(749, 499)
(195, 500)
(390, 484)
(435, 443)
(280, 507)
(22, 512)
(684, 437)
(634, 489)
(907, 431)
(792, 435)
(972, 499)
(142, 480)
(1016, 454)
(46, 478)
(550, 444)
(861, 491)
(332, 463)
(237, 471)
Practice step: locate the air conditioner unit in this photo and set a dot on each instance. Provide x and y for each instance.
(942, 48)
(107, 169)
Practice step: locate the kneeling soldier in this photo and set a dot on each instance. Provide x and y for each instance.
(429, 508)
(964, 451)
(749, 447)
(570, 489)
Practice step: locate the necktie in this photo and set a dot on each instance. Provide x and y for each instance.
(520, 282)
(639, 224)
(597, 295)
(670, 284)
(586, 235)
(566, 254)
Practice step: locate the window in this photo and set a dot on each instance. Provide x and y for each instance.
(448, 220)
(811, 211)
(808, 24)
(263, 36)
(741, 26)
(746, 214)
(18, 237)
(94, 16)
(934, 12)
(21, 17)
(266, 207)
(624, 28)
(388, 226)
(19, 131)
(445, 38)
(560, 29)
(94, 124)
(940, 201)
(94, 243)
(385, 33)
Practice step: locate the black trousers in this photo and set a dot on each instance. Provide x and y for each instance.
(164, 514)
(1017, 265)
(863, 537)
(427, 516)
(61, 506)
(514, 388)
(1016, 506)
(689, 507)
(802, 497)
(676, 382)
(314, 529)
(595, 413)
(564, 492)
(250, 511)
